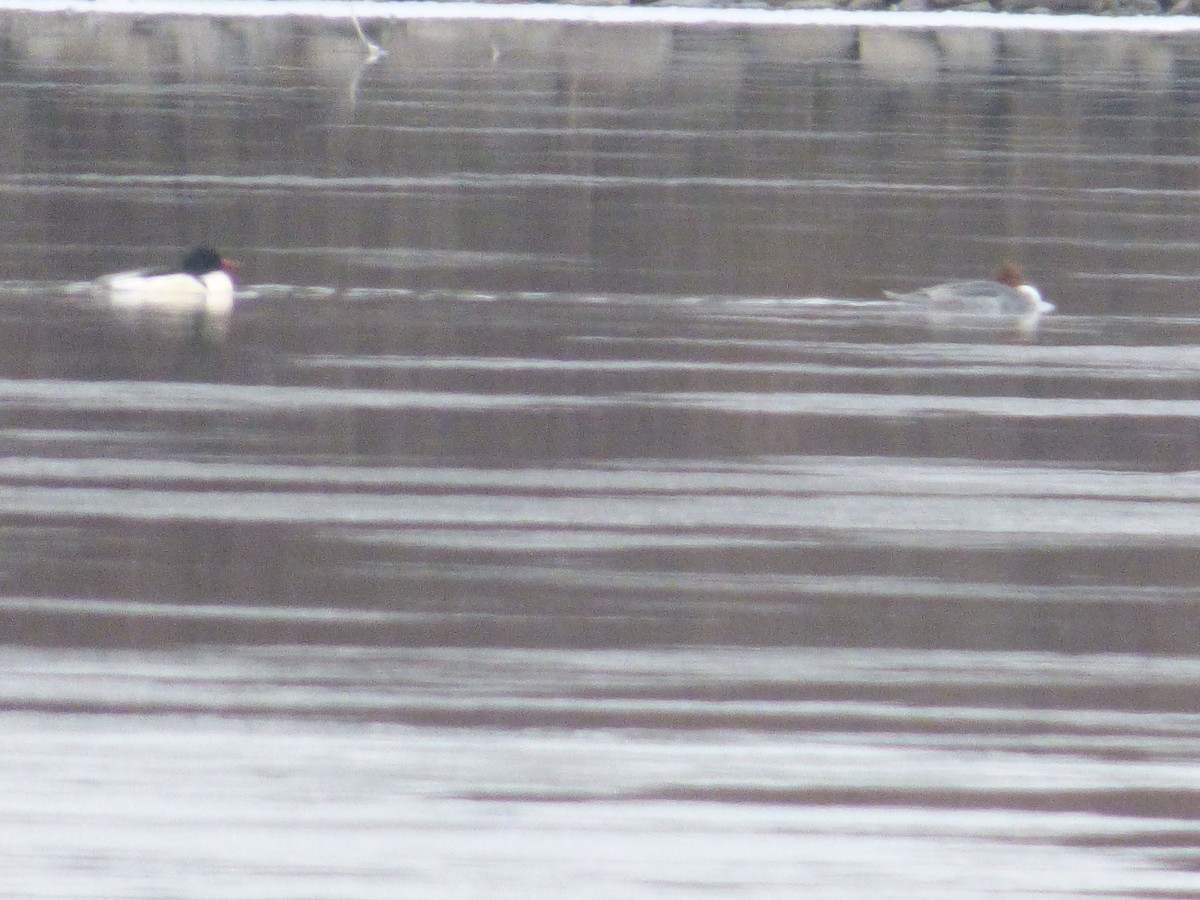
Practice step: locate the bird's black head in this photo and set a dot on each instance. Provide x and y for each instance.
(201, 261)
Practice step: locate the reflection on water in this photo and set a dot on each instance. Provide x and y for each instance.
(565, 505)
(521, 156)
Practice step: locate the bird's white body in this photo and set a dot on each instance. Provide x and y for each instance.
(201, 286)
(1009, 297)
(169, 292)
(978, 298)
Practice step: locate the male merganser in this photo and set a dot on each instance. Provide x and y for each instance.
(1009, 295)
(201, 285)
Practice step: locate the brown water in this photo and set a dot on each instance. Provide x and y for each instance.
(564, 514)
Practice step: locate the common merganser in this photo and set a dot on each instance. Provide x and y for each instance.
(1009, 295)
(200, 286)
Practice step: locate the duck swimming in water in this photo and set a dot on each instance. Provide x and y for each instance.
(201, 285)
(1009, 295)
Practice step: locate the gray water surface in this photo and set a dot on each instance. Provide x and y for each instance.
(564, 512)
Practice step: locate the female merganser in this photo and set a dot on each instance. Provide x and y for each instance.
(1009, 295)
(201, 285)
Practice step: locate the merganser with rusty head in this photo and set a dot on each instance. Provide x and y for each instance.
(200, 285)
(1009, 295)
